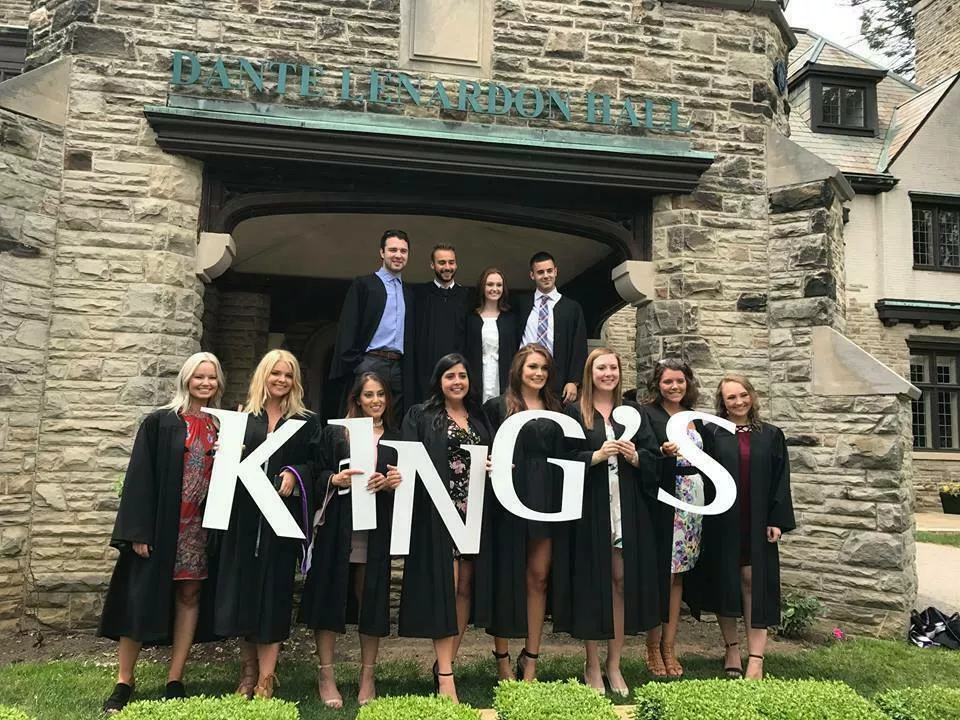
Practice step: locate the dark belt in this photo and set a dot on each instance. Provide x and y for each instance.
(386, 354)
(687, 470)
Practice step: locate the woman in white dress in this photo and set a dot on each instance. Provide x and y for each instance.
(491, 336)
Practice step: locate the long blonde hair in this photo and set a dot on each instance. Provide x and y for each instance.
(753, 415)
(181, 397)
(586, 396)
(258, 394)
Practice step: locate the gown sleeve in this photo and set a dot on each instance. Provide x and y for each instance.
(137, 514)
(781, 501)
(578, 357)
(348, 330)
(648, 451)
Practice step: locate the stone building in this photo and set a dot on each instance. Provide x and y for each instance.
(175, 180)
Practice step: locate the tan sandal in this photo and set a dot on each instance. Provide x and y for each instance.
(361, 701)
(655, 661)
(264, 688)
(249, 674)
(333, 700)
(673, 666)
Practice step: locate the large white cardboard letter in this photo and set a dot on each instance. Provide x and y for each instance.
(571, 506)
(715, 472)
(227, 468)
(413, 460)
(363, 503)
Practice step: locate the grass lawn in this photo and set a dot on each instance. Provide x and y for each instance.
(939, 538)
(70, 689)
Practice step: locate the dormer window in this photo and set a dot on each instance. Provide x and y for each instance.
(843, 100)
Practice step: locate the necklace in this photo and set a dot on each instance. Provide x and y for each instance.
(378, 423)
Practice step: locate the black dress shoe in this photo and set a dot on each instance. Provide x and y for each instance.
(118, 699)
(174, 691)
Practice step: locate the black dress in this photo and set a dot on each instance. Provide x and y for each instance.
(254, 597)
(140, 600)
(589, 586)
(714, 584)
(328, 601)
(428, 601)
(500, 576)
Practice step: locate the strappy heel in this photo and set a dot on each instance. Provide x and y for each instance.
(521, 666)
(655, 661)
(760, 658)
(436, 677)
(249, 674)
(333, 701)
(500, 657)
(673, 666)
(264, 688)
(361, 701)
(731, 672)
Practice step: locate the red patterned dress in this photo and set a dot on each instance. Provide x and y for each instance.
(191, 563)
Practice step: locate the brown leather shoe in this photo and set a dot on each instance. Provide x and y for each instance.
(264, 688)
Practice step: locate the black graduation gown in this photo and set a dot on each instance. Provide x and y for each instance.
(500, 576)
(473, 348)
(360, 316)
(569, 339)
(589, 587)
(328, 601)
(714, 584)
(254, 597)
(428, 601)
(440, 317)
(656, 418)
(140, 600)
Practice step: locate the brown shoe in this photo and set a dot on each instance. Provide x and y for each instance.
(673, 666)
(249, 672)
(264, 688)
(655, 661)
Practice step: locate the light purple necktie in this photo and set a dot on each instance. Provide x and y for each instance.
(543, 324)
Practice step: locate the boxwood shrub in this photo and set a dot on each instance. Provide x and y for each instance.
(416, 707)
(747, 700)
(12, 713)
(929, 703)
(567, 700)
(230, 707)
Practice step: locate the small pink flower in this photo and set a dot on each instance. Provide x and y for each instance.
(838, 634)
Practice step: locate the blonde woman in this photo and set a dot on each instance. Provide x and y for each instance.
(155, 591)
(254, 598)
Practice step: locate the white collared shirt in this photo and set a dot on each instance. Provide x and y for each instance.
(530, 329)
(444, 287)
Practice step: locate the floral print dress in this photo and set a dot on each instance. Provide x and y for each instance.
(687, 527)
(191, 561)
(458, 478)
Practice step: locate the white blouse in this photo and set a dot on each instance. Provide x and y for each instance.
(490, 344)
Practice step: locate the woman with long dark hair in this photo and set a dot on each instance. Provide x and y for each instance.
(613, 578)
(673, 388)
(491, 336)
(437, 584)
(738, 574)
(163, 567)
(519, 553)
(257, 567)
(349, 576)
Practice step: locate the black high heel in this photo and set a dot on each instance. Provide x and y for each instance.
(732, 673)
(520, 667)
(436, 677)
(501, 656)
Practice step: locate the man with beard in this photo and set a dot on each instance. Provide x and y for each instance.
(376, 327)
(441, 315)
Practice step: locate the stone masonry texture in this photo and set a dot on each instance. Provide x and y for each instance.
(742, 276)
(937, 40)
(14, 12)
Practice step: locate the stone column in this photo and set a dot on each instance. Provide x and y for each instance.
(242, 334)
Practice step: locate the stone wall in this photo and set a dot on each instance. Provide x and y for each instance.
(241, 339)
(937, 39)
(30, 159)
(14, 12)
(620, 334)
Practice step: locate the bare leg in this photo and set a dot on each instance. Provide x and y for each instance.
(446, 648)
(501, 651)
(539, 554)
(674, 668)
(327, 681)
(615, 646)
(756, 637)
(267, 656)
(731, 659)
(369, 647)
(128, 652)
(186, 612)
(464, 589)
(592, 676)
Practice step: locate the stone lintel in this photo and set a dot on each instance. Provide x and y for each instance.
(789, 164)
(773, 8)
(215, 253)
(634, 281)
(841, 367)
(40, 94)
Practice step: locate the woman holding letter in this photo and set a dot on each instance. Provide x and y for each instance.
(254, 598)
(519, 553)
(613, 578)
(437, 584)
(163, 567)
(349, 575)
(490, 337)
(738, 574)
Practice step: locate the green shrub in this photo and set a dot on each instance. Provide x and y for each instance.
(797, 611)
(416, 707)
(12, 713)
(230, 707)
(928, 703)
(749, 700)
(567, 700)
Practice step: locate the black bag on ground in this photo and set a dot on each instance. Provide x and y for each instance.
(932, 628)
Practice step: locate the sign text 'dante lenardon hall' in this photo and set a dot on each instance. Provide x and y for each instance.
(383, 87)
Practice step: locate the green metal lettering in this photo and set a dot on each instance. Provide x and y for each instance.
(675, 119)
(440, 95)
(605, 108)
(649, 123)
(255, 76)
(308, 73)
(470, 94)
(406, 83)
(345, 88)
(219, 72)
(629, 113)
(176, 77)
(560, 101)
(378, 83)
(519, 102)
(493, 91)
(282, 70)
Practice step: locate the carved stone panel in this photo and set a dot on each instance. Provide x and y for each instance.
(452, 37)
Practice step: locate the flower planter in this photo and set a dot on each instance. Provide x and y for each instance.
(950, 503)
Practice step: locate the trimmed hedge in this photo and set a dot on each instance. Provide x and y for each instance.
(929, 703)
(416, 707)
(230, 707)
(568, 700)
(748, 700)
(12, 713)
